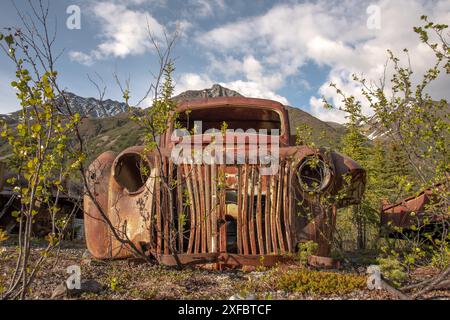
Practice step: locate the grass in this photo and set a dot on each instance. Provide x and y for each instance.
(319, 282)
(300, 280)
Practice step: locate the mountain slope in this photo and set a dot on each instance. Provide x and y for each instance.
(374, 129)
(215, 91)
(108, 126)
(93, 107)
(323, 133)
(90, 107)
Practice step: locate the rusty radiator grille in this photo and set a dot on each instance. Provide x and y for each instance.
(258, 218)
(199, 205)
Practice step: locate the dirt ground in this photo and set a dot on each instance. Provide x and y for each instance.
(126, 280)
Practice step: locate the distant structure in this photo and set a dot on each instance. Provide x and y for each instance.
(409, 214)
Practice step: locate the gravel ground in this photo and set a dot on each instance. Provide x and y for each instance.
(125, 280)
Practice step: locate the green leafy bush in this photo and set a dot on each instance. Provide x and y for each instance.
(304, 281)
(441, 258)
(392, 269)
(305, 250)
(3, 235)
(319, 282)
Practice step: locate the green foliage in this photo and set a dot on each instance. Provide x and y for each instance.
(113, 283)
(305, 281)
(422, 130)
(3, 235)
(39, 142)
(388, 168)
(2, 284)
(441, 50)
(303, 135)
(354, 143)
(39, 146)
(392, 269)
(155, 119)
(441, 257)
(357, 146)
(305, 250)
(413, 152)
(223, 128)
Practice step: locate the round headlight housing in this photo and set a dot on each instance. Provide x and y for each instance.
(131, 171)
(313, 174)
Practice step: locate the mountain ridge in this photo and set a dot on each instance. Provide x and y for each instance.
(108, 126)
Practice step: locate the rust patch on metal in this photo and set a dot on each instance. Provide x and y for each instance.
(411, 212)
(224, 214)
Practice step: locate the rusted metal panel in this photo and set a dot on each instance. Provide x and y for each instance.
(252, 260)
(214, 212)
(188, 259)
(228, 259)
(98, 239)
(239, 213)
(323, 262)
(222, 211)
(273, 208)
(244, 219)
(286, 208)
(215, 204)
(267, 223)
(208, 217)
(259, 217)
(278, 211)
(187, 175)
(412, 211)
(159, 213)
(251, 210)
(237, 102)
(180, 209)
(202, 213)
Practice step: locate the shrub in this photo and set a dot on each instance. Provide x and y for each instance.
(441, 258)
(305, 250)
(392, 269)
(3, 235)
(319, 282)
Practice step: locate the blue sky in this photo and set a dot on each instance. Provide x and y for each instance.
(286, 50)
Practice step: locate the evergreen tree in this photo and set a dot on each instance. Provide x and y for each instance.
(356, 146)
(389, 170)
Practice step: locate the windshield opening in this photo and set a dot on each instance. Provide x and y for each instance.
(244, 118)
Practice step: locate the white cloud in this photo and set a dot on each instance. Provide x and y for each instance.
(195, 81)
(158, 3)
(254, 90)
(258, 55)
(320, 112)
(8, 99)
(192, 81)
(182, 27)
(206, 8)
(268, 49)
(254, 80)
(81, 57)
(123, 32)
